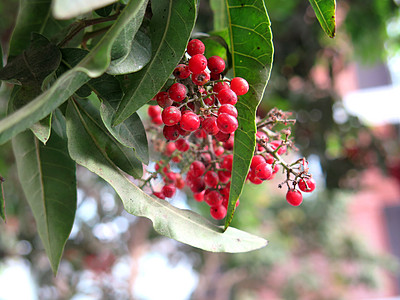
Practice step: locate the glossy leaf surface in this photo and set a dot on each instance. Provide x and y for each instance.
(252, 52)
(325, 10)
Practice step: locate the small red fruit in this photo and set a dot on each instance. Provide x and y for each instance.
(307, 185)
(195, 46)
(294, 197)
(239, 85)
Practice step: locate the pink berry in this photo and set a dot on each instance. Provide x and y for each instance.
(171, 115)
(195, 46)
(197, 63)
(294, 197)
(227, 123)
(190, 121)
(307, 185)
(218, 212)
(239, 86)
(256, 160)
(275, 144)
(227, 96)
(216, 64)
(169, 149)
(181, 71)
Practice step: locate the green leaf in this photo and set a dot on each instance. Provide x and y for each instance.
(252, 52)
(170, 28)
(131, 132)
(72, 8)
(122, 157)
(182, 225)
(94, 64)
(325, 11)
(33, 16)
(47, 176)
(138, 56)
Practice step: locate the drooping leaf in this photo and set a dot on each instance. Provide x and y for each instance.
(94, 64)
(47, 176)
(131, 132)
(123, 157)
(252, 52)
(72, 8)
(138, 56)
(325, 10)
(170, 28)
(182, 225)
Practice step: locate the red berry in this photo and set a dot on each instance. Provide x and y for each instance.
(190, 121)
(209, 100)
(196, 185)
(224, 176)
(199, 197)
(154, 111)
(201, 78)
(269, 159)
(256, 160)
(216, 64)
(219, 150)
(239, 86)
(253, 177)
(157, 120)
(197, 168)
(211, 179)
(263, 171)
(163, 99)
(209, 125)
(227, 123)
(171, 115)
(219, 86)
(181, 71)
(228, 109)
(195, 46)
(169, 149)
(275, 144)
(218, 212)
(197, 63)
(213, 198)
(228, 145)
(227, 96)
(159, 195)
(182, 145)
(294, 197)
(227, 162)
(177, 92)
(168, 190)
(222, 137)
(171, 133)
(180, 183)
(200, 134)
(307, 185)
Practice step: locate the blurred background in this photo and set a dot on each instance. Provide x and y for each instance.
(343, 242)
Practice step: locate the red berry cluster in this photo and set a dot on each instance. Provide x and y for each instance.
(199, 117)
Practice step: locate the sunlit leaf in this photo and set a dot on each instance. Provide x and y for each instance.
(93, 65)
(182, 225)
(252, 52)
(72, 8)
(325, 11)
(47, 176)
(170, 28)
